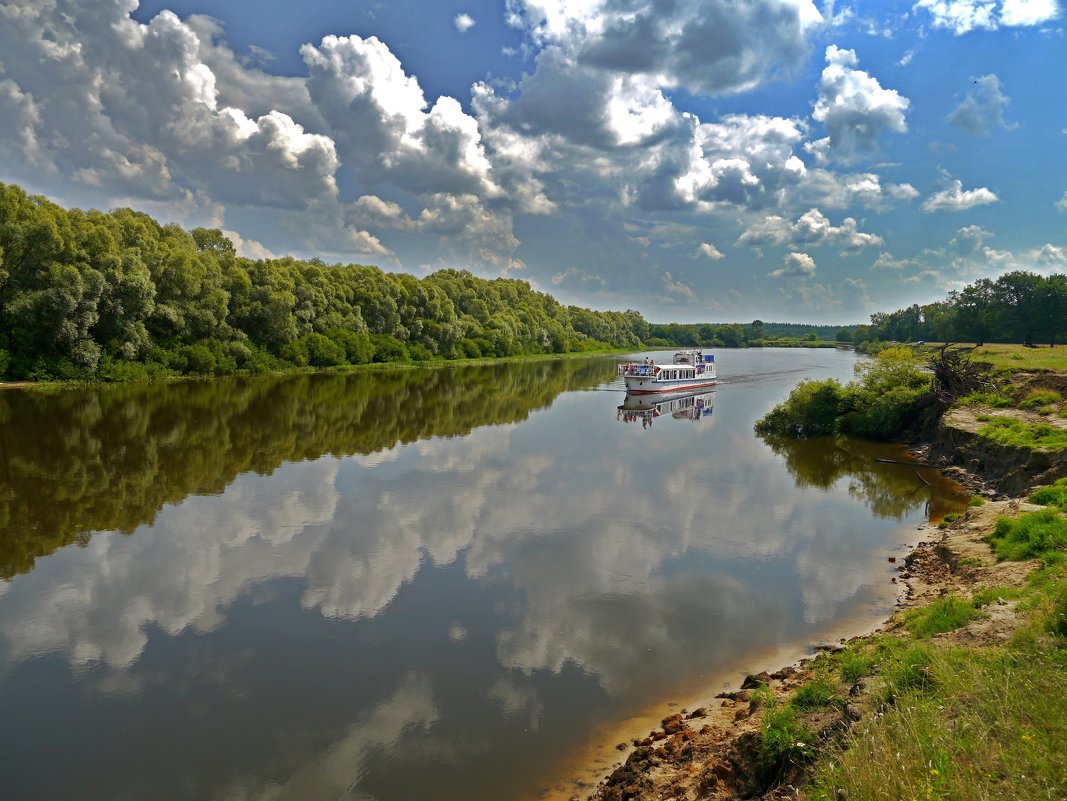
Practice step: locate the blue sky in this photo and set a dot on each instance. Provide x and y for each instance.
(698, 160)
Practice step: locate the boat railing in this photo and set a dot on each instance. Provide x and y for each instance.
(637, 369)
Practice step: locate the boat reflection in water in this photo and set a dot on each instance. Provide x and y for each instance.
(645, 409)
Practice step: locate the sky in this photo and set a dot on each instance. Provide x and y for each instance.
(696, 160)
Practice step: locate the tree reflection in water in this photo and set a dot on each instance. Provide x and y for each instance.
(108, 458)
(889, 489)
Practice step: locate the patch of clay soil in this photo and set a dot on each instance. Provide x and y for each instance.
(711, 753)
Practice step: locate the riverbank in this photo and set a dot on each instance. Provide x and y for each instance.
(780, 734)
(340, 370)
(719, 750)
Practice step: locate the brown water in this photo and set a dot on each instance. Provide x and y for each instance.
(435, 583)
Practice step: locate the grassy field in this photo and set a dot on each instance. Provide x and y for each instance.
(1017, 357)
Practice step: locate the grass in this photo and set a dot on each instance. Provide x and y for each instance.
(1056, 495)
(1040, 397)
(1016, 433)
(1021, 357)
(995, 400)
(977, 500)
(1030, 536)
(785, 738)
(944, 614)
(978, 723)
(951, 517)
(817, 694)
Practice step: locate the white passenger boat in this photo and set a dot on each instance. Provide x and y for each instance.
(688, 371)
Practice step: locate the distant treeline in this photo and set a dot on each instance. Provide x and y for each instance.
(1016, 307)
(740, 335)
(116, 295)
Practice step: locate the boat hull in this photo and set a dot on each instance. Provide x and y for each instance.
(643, 385)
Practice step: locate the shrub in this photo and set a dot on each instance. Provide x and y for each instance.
(5, 360)
(323, 351)
(977, 500)
(419, 352)
(388, 349)
(1030, 535)
(880, 404)
(196, 359)
(357, 347)
(944, 614)
(812, 409)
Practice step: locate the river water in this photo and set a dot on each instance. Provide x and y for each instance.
(410, 584)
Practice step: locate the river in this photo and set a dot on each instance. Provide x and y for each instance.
(410, 584)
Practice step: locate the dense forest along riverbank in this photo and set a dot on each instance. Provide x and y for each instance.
(419, 583)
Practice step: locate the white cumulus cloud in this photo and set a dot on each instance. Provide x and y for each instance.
(464, 22)
(854, 109)
(955, 198)
(795, 265)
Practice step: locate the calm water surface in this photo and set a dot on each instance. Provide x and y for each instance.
(411, 584)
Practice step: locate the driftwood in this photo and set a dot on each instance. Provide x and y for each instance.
(901, 461)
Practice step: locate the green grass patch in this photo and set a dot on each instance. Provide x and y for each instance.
(1040, 397)
(1030, 536)
(817, 694)
(785, 738)
(990, 595)
(855, 665)
(908, 672)
(995, 400)
(951, 517)
(977, 500)
(763, 696)
(1056, 495)
(944, 614)
(1019, 434)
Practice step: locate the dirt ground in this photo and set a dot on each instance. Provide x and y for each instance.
(710, 752)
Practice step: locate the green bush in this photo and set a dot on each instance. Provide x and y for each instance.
(388, 349)
(323, 351)
(1030, 536)
(813, 409)
(357, 347)
(880, 404)
(196, 360)
(5, 360)
(419, 352)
